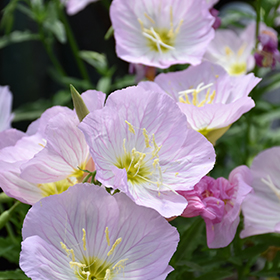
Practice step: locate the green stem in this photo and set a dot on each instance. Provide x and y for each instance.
(52, 57)
(74, 47)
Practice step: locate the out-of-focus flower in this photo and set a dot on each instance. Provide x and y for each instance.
(261, 209)
(141, 145)
(218, 202)
(142, 72)
(75, 6)
(217, 22)
(267, 53)
(233, 51)
(5, 108)
(48, 159)
(210, 98)
(85, 233)
(161, 33)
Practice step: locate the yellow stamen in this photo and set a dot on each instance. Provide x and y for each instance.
(179, 26)
(130, 127)
(228, 51)
(107, 236)
(212, 96)
(149, 18)
(84, 239)
(147, 141)
(118, 241)
(119, 265)
(176, 174)
(80, 265)
(124, 146)
(171, 33)
(141, 24)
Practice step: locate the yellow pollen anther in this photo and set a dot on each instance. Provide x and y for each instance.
(171, 32)
(80, 265)
(147, 141)
(119, 265)
(217, 76)
(212, 96)
(137, 165)
(107, 236)
(130, 127)
(141, 24)
(228, 51)
(42, 145)
(176, 174)
(124, 146)
(155, 163)
(194, 101)
(241, 49)
(84, 240)
(117, 242)
(179, 26)
(149, 18)
(218, 202)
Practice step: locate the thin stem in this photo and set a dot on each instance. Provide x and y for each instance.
(74, 47)
(52, 57)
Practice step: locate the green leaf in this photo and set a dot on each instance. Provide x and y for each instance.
(9, 249)
(13, 275)
(104, 84)
(7, 21)
(17, 37)
(95, 59)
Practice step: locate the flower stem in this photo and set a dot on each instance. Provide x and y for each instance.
(74, 47)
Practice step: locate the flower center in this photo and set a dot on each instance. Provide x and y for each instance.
(93, 268)
(192, 94)
(62, 185)
(160, 39)
(237, 67)
(142, 167)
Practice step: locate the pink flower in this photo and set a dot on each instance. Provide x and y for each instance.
(161, 33)
(85, 233)
(47, 159)
(75, 6)
(5, 108)
(210, 98)
(233, 50)
(141, 145)
(218, 202)
(261, 209)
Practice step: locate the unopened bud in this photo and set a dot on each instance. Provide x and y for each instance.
(79, 105)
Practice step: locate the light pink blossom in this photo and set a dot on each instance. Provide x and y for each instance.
(75, 6)
(85, 233)
(161, 33)
(5, 108)
(142, 146)
(210, 98)
(218, 202)
(261, 209)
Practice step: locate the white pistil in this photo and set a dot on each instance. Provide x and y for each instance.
(154, 36)
(270, 184)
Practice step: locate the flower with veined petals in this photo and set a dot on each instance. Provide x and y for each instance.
(161, 33)
(233, 51)
(141, 145)
(85, 233)
(210, 98)
(48, 161)
(218, 202)
(261, 209)
(75, 6)
(5, 108)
